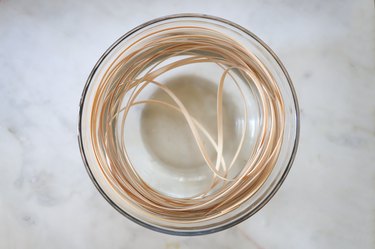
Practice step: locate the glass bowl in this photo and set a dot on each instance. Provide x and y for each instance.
(159, 143)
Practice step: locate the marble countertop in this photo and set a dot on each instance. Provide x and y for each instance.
(47, 50)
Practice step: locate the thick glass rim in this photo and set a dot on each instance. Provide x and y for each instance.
(262, 202)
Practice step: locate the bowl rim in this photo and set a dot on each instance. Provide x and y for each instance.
(241, 218)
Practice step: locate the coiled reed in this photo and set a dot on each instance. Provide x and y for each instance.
(140, 66)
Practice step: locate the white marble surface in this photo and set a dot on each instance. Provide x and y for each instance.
(47, 49)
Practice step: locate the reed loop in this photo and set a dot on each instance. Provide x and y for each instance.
(140, 66)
